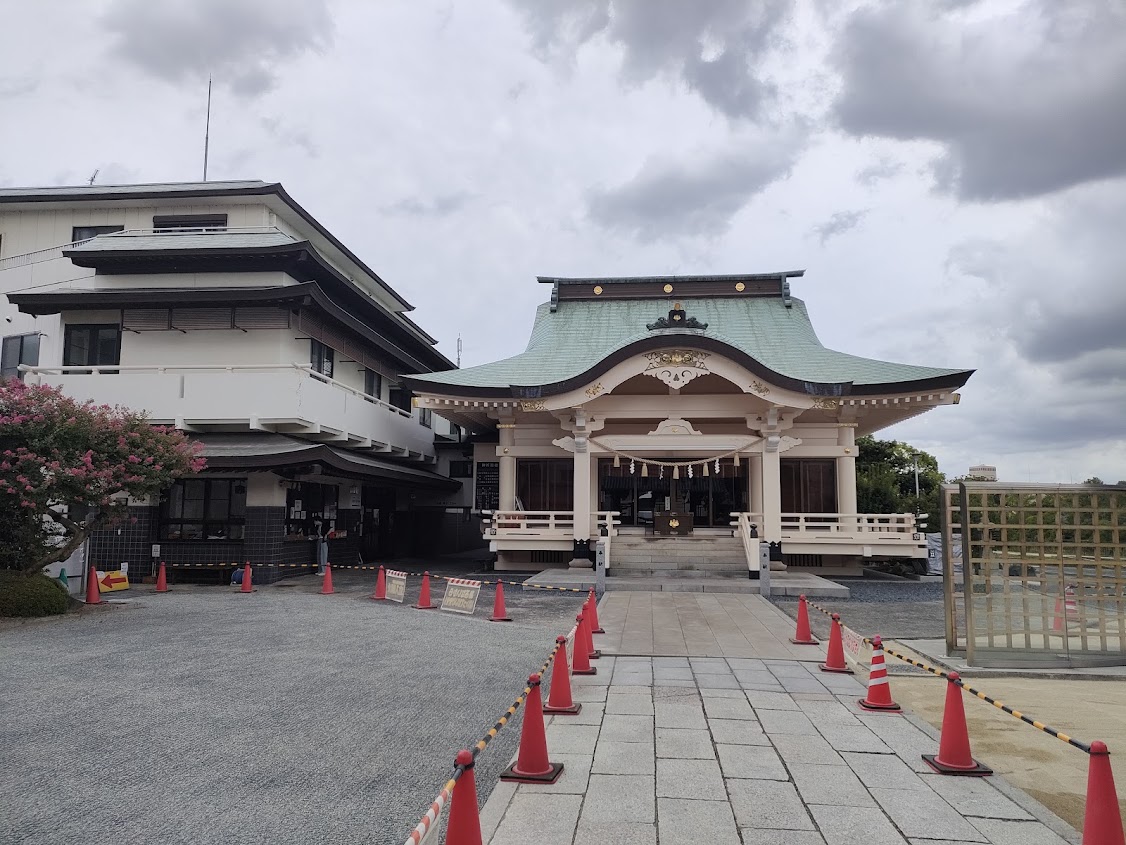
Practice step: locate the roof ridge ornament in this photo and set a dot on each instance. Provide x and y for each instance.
(677, 319)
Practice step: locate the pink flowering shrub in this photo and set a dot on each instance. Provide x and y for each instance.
(56, 452)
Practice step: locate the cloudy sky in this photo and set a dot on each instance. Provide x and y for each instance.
(951, 175)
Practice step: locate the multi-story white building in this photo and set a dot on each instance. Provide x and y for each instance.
(227, 310)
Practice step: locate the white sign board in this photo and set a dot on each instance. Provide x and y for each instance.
(396, 585)
(461, 595)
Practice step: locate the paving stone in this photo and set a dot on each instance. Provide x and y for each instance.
(590, 714)
(623, 758)
(571, 739)
(974, 797)
(746, 664)
(787, 668)
(584, 694)
(699, 779)
(620, 798)
(573, 781)
(824, 695)
(759, 677)
(785, 722)
(829, 711)
(853, 738)
(682, 821)
(716, 665)
(730, 692)
(675, 690)
(627, 728)
(629, 704)
(685, 744)
(718, 682)
(829, 785)
(671, 662)
(620, 834)
(632, 684)
(852, 825)
(883, 770)
(737, 732)
(806, 684)
(796, 748)
(637, 663)
(923, 814)
(676, 715)
(762, 700)
(843, 684)
(1008, 832)
(767, 804)
(530, 818)
(728, 708)
(781, 837)
(751, 761)
(672, 674)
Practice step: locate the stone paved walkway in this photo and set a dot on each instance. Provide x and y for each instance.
(742, 749)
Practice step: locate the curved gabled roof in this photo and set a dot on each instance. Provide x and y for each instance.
(768, 335)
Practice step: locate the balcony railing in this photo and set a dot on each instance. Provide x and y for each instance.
(532, 529)
(840, 527)
(285, 398)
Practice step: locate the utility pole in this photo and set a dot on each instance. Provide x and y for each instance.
(207, 129)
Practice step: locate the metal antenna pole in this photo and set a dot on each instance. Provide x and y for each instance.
(459, 350)
(207, 129)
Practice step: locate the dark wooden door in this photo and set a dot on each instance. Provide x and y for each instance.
(809, 485)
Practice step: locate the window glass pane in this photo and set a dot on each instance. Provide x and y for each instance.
(10, 358)
(77, 346)
(218, 500)
(238, 498)
(329, 360)
(235, 532)
(30, 353)
(193, 499)
(192, 532)
(176, 501)
(107, 350)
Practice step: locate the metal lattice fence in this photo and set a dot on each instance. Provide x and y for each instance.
(1035, 575)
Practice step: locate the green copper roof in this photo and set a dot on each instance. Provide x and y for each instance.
(570, 341)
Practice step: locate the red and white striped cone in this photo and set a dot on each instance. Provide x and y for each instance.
(879, 691)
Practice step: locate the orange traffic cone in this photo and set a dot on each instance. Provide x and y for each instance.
(879, 691)
(583, 636)
(835, 659)
(380, 593)
(591, 612)
(1102, 822)
(326, 585)
(500, 613)
(464, 825)
(532, 764)
(580, 658)
(1066, 610)
(954, 757)
(161, 579)
(247, 586)
(559, 696)
(93, 594)
(424, 602)
(803, 636)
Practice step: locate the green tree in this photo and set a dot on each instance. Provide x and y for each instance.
(885, 480)
(67, 467)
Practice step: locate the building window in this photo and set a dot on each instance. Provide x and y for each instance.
(190, 221)
(92, 345)
(373, 383)
(461, 469)
(84, 233)
(426, 417)
(204, 509)
(400, 397)
(20, 349)
(321, 358)
(545, 485)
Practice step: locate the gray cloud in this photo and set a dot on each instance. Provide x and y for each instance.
(697, 197)
(715, 47)
(1024, 104)
(839, 223)
(878, 171)
(439, 206)
(17, 86)
(240, 42)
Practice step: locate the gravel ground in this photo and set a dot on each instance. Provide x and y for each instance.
(204, 716)
(890, 608)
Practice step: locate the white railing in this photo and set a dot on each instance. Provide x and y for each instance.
(257, 393)
(836, 525)
(742, 524)
(547, 526)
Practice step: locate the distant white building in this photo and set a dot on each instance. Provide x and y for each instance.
(983, 472)
(228, 311)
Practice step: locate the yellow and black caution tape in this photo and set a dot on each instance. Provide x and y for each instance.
(1000, 705)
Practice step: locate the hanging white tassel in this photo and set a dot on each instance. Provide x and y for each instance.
(735, 463)
(661, 474)
(617, 461)
(717, 466)
(631, 467)
(645, 470)
(676, 472)
(705, 465)
(690, 470)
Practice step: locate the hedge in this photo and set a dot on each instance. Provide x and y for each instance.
(31, 595)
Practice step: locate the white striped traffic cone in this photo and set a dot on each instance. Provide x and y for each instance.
(879, 691)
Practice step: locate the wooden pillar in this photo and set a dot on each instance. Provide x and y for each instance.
(771, 491)
(506, 430)
(581, 507)
(846, 472)
(754, 483)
